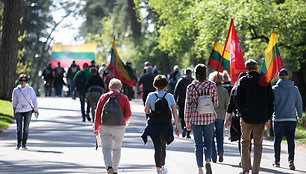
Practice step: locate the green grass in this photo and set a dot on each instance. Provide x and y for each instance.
(6, 114)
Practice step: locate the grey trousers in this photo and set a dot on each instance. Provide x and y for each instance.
(112, 137)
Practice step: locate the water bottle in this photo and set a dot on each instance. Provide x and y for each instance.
(36, 116)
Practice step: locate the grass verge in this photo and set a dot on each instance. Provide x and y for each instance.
(6, 114)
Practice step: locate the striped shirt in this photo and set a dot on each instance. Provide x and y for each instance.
(191, 114)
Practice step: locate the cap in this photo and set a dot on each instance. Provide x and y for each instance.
(283, 72)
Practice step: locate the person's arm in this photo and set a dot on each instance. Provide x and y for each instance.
(174, 112)
(100, 105)
(177, 89)
(226, 99)
(227, 121)
(299, 105)
(187, 110)
(127, 109)
(147, 108)
(214, 94)
(34, 101)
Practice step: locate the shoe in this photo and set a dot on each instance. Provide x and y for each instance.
(165, 171)
(220, 157)
(24, 147)
(244, 172)
(184, 133)
(239, 164)
(188, 134)
(276, 164)
(291, 166)
(110, 170)
(87, 116)
(208, 168)
(201, 172)
(18, 146)
(214, 161)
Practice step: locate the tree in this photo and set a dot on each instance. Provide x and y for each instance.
(9, 47)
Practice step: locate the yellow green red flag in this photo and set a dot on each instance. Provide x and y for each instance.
(215, 57)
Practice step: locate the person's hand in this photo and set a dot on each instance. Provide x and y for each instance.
(36, 112)
(177, 131)
(227, 124)
(188, 126)
(268, 123)
(96, 132)
(301, 121)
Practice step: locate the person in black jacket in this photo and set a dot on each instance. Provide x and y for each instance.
(180, 96)
(94, 89)
(47, 74)
(255, 104)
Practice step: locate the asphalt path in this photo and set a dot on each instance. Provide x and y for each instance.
(59, 142)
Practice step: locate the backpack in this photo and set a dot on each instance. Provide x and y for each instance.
(58, 72)
(80, 80)
(111, 113)
(205, 104)
(162, 113)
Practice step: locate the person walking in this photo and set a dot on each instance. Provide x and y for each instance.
(158, 106)
(47, 75)
(147, 81)
(255, 104)
(72, 70)
(112, 135)
(58, 74)
(24, 104)
(287, 103)
(94, 89)
(180, 97)
(202, 125)
(80, 80)
(223, 100)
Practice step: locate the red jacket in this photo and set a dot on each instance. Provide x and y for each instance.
(123, 101)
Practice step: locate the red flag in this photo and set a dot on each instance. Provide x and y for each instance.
(232, 46)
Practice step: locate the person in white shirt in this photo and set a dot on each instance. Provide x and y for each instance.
(24, 104)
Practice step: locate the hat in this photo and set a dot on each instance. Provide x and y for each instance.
(283, 72)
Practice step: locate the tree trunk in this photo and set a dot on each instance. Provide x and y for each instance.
(9, 47)
(135, 25)
(165, 62)
(299, 78)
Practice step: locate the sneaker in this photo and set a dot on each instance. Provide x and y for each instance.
(208, 168)
(291, 166)
(244, 172)
(276, 164)
(24, 147)
(18, 146)
(165, 171)
(110, 170)
(201, 172)
(220, 157)
(87, 116)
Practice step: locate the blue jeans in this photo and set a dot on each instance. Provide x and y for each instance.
(203, 138)
(24, 117)
(58, 90)
(82, 101)
(71, 88)
(219, 127)
(288, 128)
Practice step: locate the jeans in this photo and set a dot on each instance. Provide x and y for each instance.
(258, 133)
(24, 117)
(48, 87)
(82, 101)
(219, 127)
(160, 150)
(203, 138)
(71, 88)
(58, 90)
(287, 127)
(111, 137)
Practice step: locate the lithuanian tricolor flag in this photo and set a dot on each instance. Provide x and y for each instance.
(272, 63)
(64, 54)
(215, 57)
(119, 70)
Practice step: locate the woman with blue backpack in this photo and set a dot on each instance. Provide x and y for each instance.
(160, 106)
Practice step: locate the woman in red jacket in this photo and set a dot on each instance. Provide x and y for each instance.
(112, 135)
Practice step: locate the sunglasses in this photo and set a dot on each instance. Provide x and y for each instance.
(22, 80)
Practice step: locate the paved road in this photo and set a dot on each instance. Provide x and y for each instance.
(60, 143)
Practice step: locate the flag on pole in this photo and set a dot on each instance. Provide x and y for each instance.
(215, 58)
(272, 63)
(65, 54)
(119, 70)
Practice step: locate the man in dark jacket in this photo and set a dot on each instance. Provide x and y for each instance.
(180, 96)
(47, 74)
(147, 83)
(255, 104)
(72, 70)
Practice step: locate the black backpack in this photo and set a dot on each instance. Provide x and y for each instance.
(111, 113)
(80, 80)
(162, 113)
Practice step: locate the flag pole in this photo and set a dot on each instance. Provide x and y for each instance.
(224, 48)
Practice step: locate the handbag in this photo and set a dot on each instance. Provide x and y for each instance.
(27, 101)
(205, 104)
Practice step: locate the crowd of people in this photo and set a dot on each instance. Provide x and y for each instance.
(197, 102)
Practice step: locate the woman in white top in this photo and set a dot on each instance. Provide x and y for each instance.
(24, 103)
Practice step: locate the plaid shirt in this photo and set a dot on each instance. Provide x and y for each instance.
(191, 114)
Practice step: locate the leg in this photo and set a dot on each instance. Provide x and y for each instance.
(199, 144)
(258, 133)
(82, 101)
(208, 140)
(27, 119)
(156, 139)
(107, 144)
(290, 132)
(19, 128)
(246, 130)
(219, 137)
(214, 152)
(277, 140)
(118, 137)
(163, 150)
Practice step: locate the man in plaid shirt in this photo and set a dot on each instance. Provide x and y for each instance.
(201, 125)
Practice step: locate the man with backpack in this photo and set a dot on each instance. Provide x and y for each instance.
(180, 96)
(113, 112)
(72, 70)
(58, 74)
(47, 74)
(80, 80)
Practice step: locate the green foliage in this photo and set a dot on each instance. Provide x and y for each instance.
(6, 114)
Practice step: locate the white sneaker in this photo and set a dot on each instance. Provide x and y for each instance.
(165, 171)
